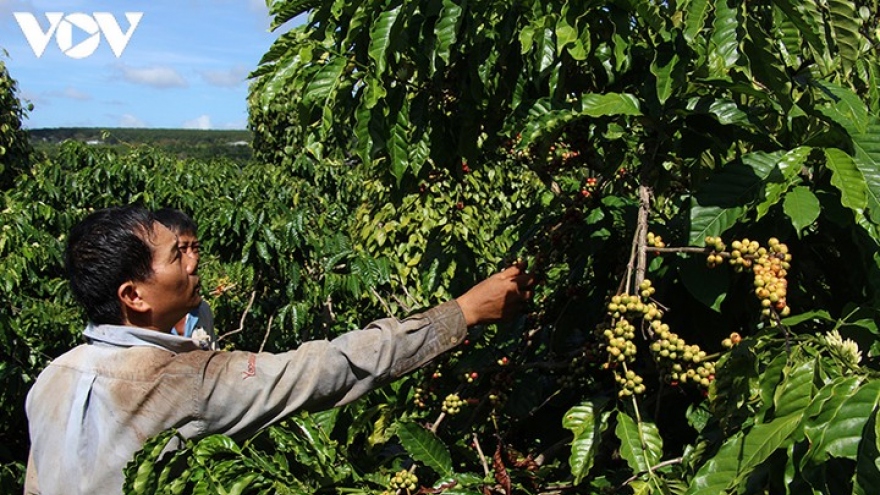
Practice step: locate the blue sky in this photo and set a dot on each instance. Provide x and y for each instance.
(185, 64)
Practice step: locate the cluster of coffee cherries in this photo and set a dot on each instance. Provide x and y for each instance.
(734, 339)
(769, 264)
(619, 335)
(678, 361)
(403, 481)
(619, 338)
(589, 187)
(574, 374)
(635, 305)
(470, 376)
(654, 240)
(452, 404)
(742, 253)
(681, 362)
(630, 384)
(422, 397)
(770, 269)
(717, 246)
(498, 398)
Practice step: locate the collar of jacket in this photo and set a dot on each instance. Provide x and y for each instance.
(124, 336)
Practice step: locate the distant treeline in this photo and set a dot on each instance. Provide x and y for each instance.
(184, 143)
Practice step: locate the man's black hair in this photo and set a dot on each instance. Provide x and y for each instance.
(108, 248)
(177, 221)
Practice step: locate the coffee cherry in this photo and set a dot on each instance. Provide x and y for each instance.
(403, 480)
(769, 265)
(630, 384)
(680, 362)
(716, 244)
(452, 404)
(577, 369)
(654, 240)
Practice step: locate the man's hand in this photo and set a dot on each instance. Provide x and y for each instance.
(497, 298)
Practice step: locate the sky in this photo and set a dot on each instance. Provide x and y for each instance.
(185, 64)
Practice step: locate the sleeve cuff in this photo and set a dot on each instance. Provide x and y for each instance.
(449, 322)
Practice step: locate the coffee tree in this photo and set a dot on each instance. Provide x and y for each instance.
(16, 156)
(15, 150)
(638, 143)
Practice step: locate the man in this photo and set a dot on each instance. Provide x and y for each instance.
(94, 406)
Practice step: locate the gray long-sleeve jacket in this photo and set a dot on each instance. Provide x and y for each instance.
(92, 408)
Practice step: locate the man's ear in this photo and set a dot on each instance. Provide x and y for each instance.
(131, 298)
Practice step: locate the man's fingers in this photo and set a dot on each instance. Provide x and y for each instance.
(525, 279)
(512, 270)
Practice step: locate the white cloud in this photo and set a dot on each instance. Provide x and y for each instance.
(201, 122)
(230, 78)
(71, 93)
(129, 120)
(156, 76)
(76, 94)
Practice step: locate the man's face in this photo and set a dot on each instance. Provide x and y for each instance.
(173, 289)
(189, 245)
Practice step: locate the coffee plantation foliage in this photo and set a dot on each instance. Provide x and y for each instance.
(697, 184)
(666, 136)
(279, 263)
(274, 253)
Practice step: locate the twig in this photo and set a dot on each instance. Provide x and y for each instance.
(266, 337)
(403, 305)
(699, 250)
(642, 232)
(382, 301)
(544, 365)
(660, 388)
(689, 249)
(651, 469)
(482, 456)
(243, 316)
(551, 450)
(635, 268)
(776, 320)
(644, 443)
(220, 290)
(558, 490)
(409, 297)
(437, 422)
(546, 401)
(623, 288)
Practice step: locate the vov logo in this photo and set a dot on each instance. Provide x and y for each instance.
(62, 27)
